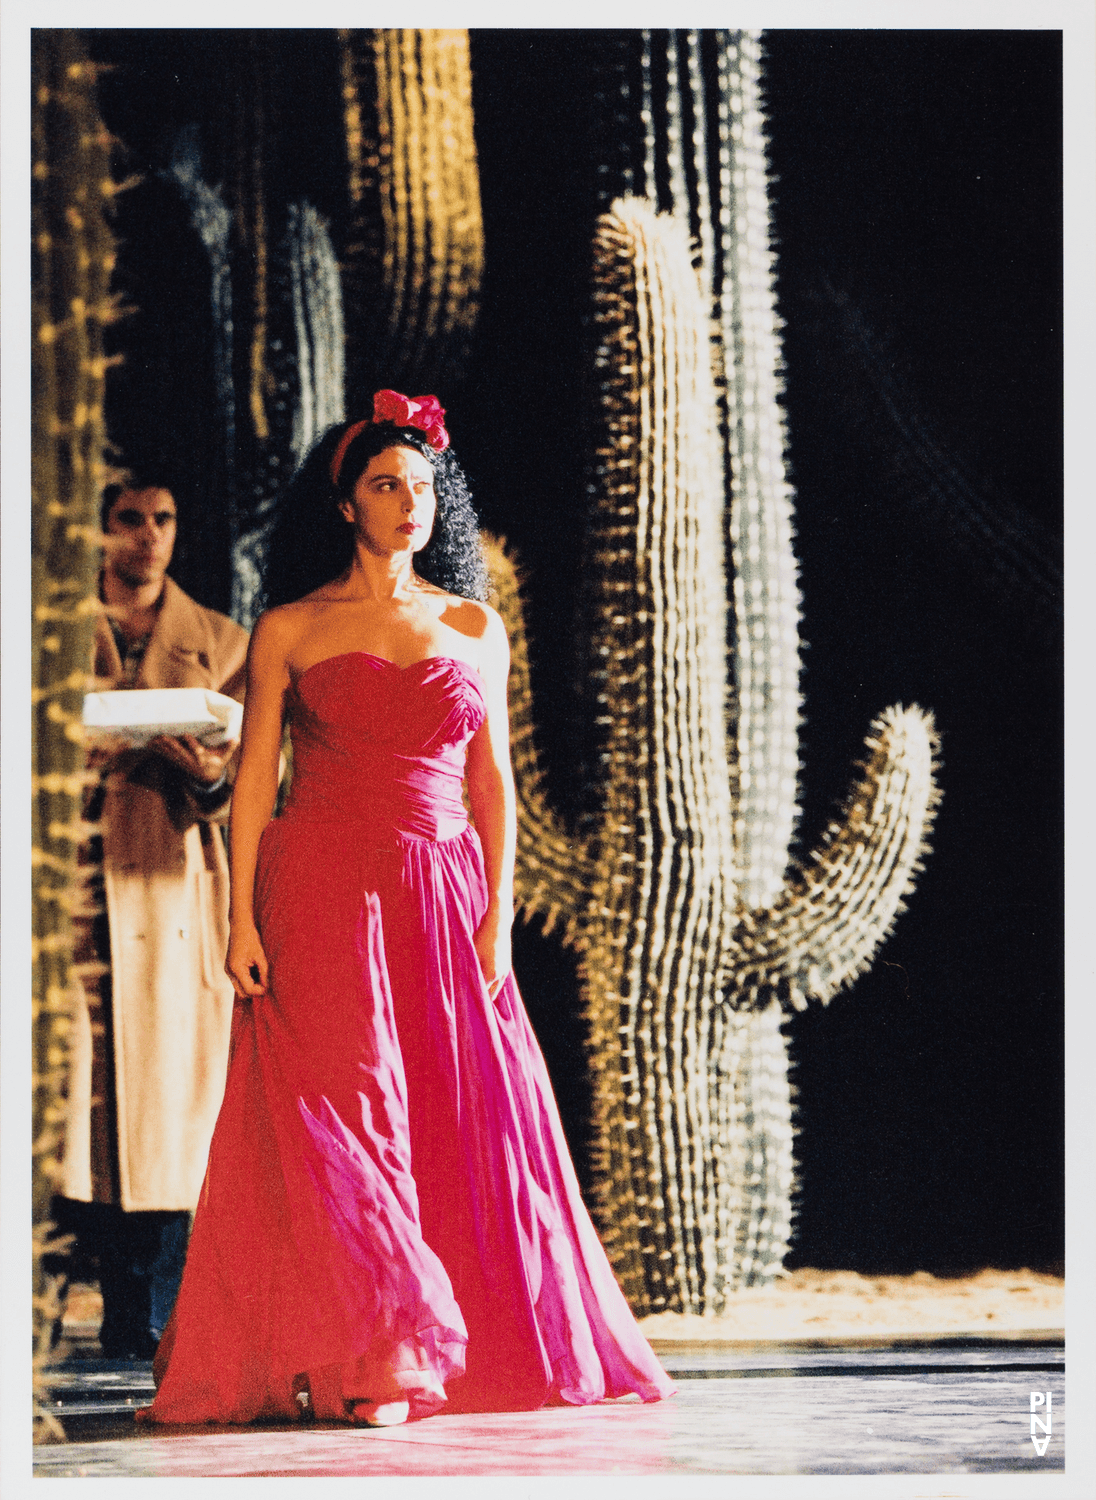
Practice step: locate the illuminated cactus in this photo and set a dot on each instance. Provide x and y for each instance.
(73, 256)
(765, 592)
(412, 270)
(692, 1111)
(810, 943)
(683, 973)
(692, 141)
(658, 946)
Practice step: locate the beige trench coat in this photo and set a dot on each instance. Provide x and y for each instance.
(166, 882)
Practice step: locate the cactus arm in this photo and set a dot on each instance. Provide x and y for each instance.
(554, 873)
(839, 905)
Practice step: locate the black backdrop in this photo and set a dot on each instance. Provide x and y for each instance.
(917, 217)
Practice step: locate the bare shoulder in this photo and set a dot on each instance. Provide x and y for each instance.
(278, 630)
(479, 622)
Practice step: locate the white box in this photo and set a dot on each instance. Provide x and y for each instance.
(132, 717)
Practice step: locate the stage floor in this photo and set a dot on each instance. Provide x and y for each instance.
(945, 1405)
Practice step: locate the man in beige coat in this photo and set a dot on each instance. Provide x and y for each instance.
(151, 1047)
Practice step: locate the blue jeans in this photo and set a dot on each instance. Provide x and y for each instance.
(137, 1259)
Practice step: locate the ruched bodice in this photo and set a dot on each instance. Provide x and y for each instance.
(384, 745)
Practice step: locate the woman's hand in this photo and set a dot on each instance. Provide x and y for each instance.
(492, 942)
(490, 783)
(246, 964)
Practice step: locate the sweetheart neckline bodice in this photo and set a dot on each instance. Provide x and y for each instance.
(457, 661)
(382, 743)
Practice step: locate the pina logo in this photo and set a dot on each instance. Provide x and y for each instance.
(1037, 1400)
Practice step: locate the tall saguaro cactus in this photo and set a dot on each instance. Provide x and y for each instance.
(664, 886)
(73, 258)
(696, 147)
(684, 974)
(696, 936)
(765, 595)
(413, 267)
(681, 124)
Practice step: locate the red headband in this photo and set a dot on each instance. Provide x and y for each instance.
(423, 412)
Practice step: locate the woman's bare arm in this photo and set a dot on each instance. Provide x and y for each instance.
(491, 792)
(254, 794)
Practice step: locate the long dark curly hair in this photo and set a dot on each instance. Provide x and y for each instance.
(311, 543)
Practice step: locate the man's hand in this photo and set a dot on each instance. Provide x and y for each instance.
(204, 763)
(101, 758)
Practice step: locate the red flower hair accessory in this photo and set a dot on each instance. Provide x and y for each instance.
(424, 412)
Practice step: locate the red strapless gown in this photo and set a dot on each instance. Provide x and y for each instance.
(389, 1201)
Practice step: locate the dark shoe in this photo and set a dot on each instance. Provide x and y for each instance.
(133, 1343)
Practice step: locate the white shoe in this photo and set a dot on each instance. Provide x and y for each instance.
(378, 1414)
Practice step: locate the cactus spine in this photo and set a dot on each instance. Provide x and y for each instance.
(73, 256)
(413, 268)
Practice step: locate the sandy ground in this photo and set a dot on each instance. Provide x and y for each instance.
(833, 1305)
(810, 1304)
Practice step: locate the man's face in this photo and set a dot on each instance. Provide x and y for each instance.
(143, 521)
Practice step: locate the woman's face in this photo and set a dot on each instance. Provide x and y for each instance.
(393, 505)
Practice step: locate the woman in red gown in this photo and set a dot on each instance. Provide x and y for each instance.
(390, 1222)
